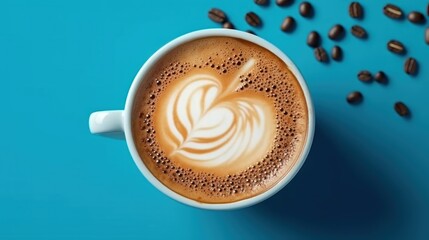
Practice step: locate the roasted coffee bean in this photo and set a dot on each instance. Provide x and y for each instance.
(217, 15)
(321, 54)
(337, 53)
(313, 39)
(365, 76)
(416, 17)
(284, 2)
(261, 2)
(288, 24)
(396, 47)
(251, 32)
(354, 97)
(402, 109)
(306, 9)
(336, 32)
(410, 66)
(253, 20)
(359, 32)
(228, 25)
(355, 10)
(427, 35)
(381, 77)
(392, 11)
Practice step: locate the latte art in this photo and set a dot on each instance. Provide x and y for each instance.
(209, 124)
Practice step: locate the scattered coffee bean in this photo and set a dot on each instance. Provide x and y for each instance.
(381, 77)
(392, 11)
(416, 17)
(427, 35)
(410, 66)
(365, 76)
(359, 32)
(217, 15)
(337, 53)
(251, 32)
(354, 97)
(336, 32)
(228, 25)
(313, 39)
(288, 24)
(284, 2)
(261, 2)
(396, 47)
(306, 9)
(321, 54)
(253, 20)
(355, 10)
(401, 109)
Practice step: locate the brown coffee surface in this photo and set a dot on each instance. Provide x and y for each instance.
(220, 120)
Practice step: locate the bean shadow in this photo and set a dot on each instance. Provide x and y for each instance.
(332, 196)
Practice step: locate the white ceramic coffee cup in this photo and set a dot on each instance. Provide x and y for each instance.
(119, 121)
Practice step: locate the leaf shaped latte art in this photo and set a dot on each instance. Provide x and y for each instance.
(208, 124)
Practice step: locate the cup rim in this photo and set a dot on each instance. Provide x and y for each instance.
(204, 34)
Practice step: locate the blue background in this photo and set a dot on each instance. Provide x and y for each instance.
(366, 175)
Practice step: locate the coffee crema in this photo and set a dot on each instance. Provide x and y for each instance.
(219, 120)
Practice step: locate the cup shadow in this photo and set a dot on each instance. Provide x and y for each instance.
(330, 195)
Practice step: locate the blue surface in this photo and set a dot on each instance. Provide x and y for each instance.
(366, 176)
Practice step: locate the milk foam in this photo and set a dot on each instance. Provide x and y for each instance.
(219, 120)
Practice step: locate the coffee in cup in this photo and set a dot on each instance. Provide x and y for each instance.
(219, 119)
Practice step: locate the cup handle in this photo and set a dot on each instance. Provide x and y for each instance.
(107, 123)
